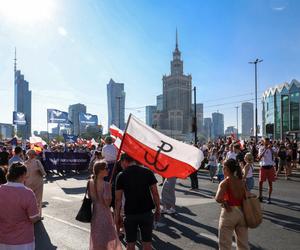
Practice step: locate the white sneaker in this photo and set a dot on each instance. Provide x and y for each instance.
(164, 211)
(171, 211)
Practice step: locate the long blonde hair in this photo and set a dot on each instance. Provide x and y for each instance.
(97, 168)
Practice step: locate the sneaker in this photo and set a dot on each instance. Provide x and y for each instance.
(269, 201)
(171, 211)
(260, 199)
(164, 211)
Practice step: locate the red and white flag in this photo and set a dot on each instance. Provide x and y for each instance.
(162, 154)
(115, 131)
(116, 134)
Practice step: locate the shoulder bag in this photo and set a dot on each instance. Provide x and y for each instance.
(252, 211)
(85, 211)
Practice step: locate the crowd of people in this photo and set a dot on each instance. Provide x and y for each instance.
(125, 196)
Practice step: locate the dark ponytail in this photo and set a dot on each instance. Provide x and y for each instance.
(234, 168)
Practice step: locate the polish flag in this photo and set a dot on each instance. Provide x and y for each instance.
(162, 154)
(115, 131)
(117, 135)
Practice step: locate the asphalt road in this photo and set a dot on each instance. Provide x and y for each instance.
(195, 226)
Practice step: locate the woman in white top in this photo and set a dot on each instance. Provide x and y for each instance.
(248, 172)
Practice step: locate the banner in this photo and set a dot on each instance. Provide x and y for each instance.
(57, 116)
(66, 161)
(70, 138)
(162, 154)
(19, 118)
(88, 119)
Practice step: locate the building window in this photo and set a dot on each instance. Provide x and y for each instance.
(285, 113)
(294, 111)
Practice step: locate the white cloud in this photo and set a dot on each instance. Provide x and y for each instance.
(279, 8)
(62, 31)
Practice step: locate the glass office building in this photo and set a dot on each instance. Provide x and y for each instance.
(281, 109)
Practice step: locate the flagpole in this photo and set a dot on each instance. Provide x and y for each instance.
(120, 149)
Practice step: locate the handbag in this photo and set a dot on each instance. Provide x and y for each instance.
(252, 211)
(85, 212)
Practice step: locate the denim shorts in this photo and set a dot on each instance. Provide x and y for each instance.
(249, 183)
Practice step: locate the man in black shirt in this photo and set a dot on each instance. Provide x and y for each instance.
(141, 196)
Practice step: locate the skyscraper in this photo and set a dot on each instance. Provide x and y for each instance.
(217, 125)
(159, 103)
(207, 127)
(6, 131)
(116, 104)
(150, 110)
(247, 119)
(74, 111)
(22, 101)
(175, 117)
(199, 115)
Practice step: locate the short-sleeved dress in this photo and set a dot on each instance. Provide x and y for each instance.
(35, 173)
(103, 232)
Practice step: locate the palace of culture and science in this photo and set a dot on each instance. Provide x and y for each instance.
(175, 118)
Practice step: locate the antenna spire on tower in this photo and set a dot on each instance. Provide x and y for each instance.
(15, 59)
(176, 39)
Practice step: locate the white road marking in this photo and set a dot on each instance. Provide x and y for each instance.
(77, 196)
(66, 222)
(182, 201)
(214, 238)
(60, 199)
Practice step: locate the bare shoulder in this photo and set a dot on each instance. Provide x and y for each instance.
(224, 183)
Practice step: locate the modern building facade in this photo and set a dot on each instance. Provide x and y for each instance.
(207, 128)
(217, 125)
(199, 115)
(176, 115)
(22, 102)
(281, 109)
(6, 131)
(247, 119)
(159, 103)
(150, 110)
(116, 104)
(74, 111)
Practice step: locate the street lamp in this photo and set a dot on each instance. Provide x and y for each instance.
(237, 122)
(195, 117)
(255, 67)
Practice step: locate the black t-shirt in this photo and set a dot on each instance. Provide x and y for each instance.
(135, 182)
(4, 158)
(282, 155)
(240, 156)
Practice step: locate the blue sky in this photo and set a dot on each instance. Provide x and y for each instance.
(69, 49)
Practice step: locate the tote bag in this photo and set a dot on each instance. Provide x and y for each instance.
(252, 211)
(85, 211)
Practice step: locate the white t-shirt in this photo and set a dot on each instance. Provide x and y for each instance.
(267, 158)
(109, 152)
